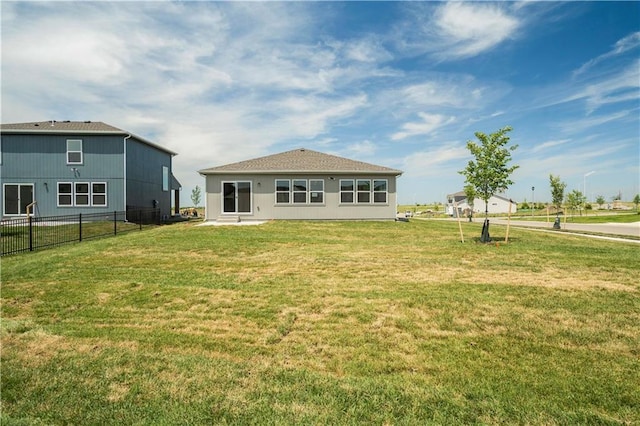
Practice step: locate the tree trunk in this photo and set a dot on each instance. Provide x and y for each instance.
(484, 237)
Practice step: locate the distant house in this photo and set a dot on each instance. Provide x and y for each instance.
(497, 204)
(300, 184)
(71, 167)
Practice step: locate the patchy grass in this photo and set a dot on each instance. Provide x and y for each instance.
(322, 322)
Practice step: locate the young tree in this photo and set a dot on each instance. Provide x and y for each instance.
(489, 173)
(557, 195)
(195, 196)
(575, 199)
(600, 201)
(557, 191)
(636, 201)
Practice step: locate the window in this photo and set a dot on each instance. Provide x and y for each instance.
(99, 194)
(316, 191)
(346, 190)
(82, 194)
(300, 191)
(380, 191)
(364, 191)
(283, 188)
(65, 194)
(74, 151)
(165, 178)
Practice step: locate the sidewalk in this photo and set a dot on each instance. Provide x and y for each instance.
(611, 231)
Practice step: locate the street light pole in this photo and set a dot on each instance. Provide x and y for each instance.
(584, 189)
(533, 204)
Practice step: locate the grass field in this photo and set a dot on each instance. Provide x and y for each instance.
(322, 323)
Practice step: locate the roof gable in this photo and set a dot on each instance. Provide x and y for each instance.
(74, 128)
(300, 160)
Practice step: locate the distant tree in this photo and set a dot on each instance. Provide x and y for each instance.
(196, 196)
(600, 200)
(557, 191)
(575, 200)
(636, 201)
(489, 173)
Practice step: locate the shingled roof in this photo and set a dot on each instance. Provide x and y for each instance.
(73, 128)
(300, 160)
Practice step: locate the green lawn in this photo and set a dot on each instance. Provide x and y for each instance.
(322, 323)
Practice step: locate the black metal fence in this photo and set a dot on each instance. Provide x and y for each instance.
(32, 233)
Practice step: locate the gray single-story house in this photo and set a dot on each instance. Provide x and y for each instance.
(72, 167)
(300, 184)
(497, 204)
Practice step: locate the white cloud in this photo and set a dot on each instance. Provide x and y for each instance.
(623, 45)
(441, 161)
(363, 149)
(580, 125)
(454, 30)
(549, 144)
(429, 123)
(462, 93)
(472, 28)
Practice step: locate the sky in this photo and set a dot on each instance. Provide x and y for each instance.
(397, 84)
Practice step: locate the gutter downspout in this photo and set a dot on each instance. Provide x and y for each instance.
(124, 183)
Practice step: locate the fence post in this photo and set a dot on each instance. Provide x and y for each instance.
(30, 234)
(80, 227)
(115, 218)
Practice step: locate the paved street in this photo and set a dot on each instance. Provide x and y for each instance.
(626, 229)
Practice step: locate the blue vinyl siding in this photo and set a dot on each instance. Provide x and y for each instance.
(42, 161)
(144, 176)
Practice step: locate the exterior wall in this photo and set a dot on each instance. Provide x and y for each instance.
(264, 205)
(144, 177)
(41, 160)
(496, 206)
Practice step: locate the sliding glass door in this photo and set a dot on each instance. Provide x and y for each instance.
(236, 197)
(16, 198)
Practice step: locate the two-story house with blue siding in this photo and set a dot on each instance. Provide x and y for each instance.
(71, 167)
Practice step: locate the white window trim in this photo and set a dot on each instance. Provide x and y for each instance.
(386, 192)
(311, 191)
(99, 193)
(372, 191)
(358, 192)
(64, 193)
(288, 191)
(81, 152)
(353, 191)
(291, 192)
(294, 191)
(74, 194)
